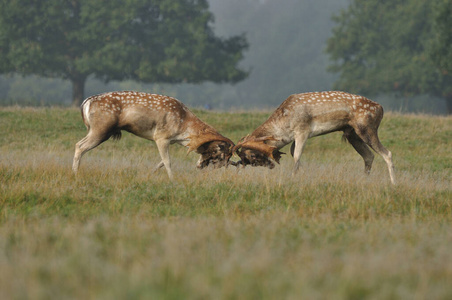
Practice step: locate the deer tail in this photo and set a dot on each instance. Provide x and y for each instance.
(84, 107)
(116, 136)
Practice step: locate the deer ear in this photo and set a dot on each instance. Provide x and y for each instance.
(276, 155)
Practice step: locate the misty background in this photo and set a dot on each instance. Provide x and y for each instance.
(286, 55)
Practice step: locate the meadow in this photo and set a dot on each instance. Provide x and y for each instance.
(120, 231)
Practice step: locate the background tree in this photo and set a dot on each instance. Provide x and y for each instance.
(149, 41)
(382, 46)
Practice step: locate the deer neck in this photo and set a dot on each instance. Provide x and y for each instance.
(197, 133)
(281, 135)
(196, 127)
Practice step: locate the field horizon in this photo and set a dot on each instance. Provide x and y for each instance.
(118, 230)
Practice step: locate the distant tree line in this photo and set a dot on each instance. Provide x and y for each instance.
(389, 50)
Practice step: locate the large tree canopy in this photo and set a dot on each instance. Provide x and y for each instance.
(385, 46)
(145, 40)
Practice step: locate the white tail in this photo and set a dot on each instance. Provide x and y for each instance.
(154, 117)
(307, 115)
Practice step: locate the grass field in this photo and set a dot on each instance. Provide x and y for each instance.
(119, 231)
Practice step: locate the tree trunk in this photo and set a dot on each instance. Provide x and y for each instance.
(78, 90)
(449, 104)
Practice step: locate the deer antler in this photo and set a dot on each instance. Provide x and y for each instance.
(197, 141)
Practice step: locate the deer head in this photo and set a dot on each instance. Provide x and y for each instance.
(256, 152)
(215, 150)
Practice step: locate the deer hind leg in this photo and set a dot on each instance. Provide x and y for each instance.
(360, 147)
(370, 137)
(90, 141)
(297, 149)
(163, 146)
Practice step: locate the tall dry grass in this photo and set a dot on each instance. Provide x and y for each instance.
(119, 231)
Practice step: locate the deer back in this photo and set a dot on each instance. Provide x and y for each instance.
(150, 116)
(319, 113)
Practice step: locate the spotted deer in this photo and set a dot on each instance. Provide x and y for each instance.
(302, 116)
(162, 119)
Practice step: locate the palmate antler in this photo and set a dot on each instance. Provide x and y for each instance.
(258, 144)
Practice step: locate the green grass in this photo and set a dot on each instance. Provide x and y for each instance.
(120, 231)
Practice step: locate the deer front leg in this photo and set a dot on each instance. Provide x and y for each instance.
(163, 146)
(385, 153)
(158, 166)
(297, 149)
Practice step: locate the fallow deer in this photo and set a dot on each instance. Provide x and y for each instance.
(302, 116)
(162, 119)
